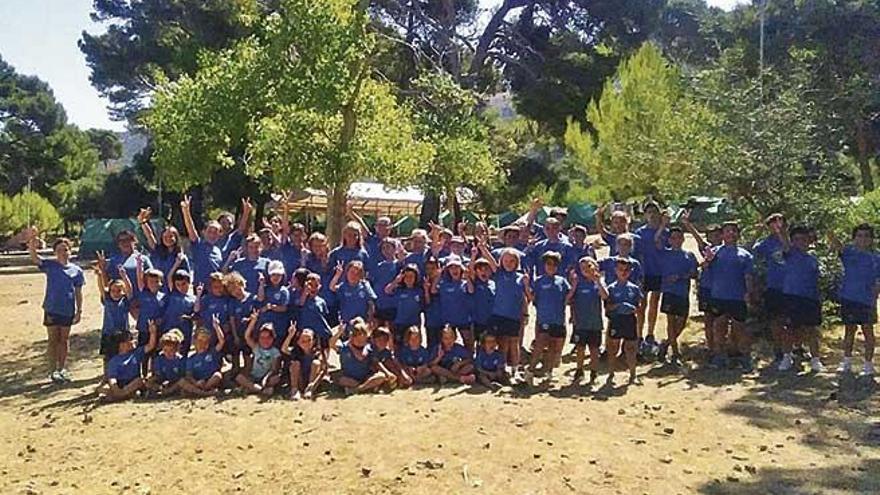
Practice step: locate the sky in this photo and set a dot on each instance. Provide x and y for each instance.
(38, 37)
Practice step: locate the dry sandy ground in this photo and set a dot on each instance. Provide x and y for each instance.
(697, 431)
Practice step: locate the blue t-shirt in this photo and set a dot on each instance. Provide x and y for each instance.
(455, 302)
(115, 316)
(354, 300)
(454, 355)
(353, 367)
(681, 264)
(201, 365)
(769, 251)
(433, 312)
(346, 255)
(211, 306)
(314, 265)
(801, 275)
(483, 299)
(418, 259)
(168, 369)
(126, 367)
(706, 273)
(383, 274)
(489, 361)
(650, 255)
(129, 262)
(313, 315)
(177, 306)
(207, 259)
(164, 261)
(729, 270)
(627, 296)
(860, 272)
(409, 306)
(524, 262)
(413, 357)
(545, 246)
(587, 305)
(550, 292)
(61, 284)
(241, 309)
(280, 320)
(608, 266)
(291, 256)
(152, 307)
(251, 270)
(230, 242)
(509, 294)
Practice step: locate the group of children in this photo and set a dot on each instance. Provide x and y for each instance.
(264, 310)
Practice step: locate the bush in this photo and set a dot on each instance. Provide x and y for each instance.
(17, 210)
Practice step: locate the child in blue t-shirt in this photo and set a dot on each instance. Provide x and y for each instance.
(489, 363)
(124, 377)
(308, 363)
(451, 361)
(482, 290)
(858, 294)
(168, 366)
(451, 291)
(358, 374)
(678, 267)
(409, 297)
(241, 307)
(202, 377)
(314, 313)
(116, 300)
(384, 360)
(414, 358)
(624, 298)
(274, 300)
(355, 294)
(551, 291)
(802, 301)
(586, 314)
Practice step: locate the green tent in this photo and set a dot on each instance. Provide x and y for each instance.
(581, 214)
(506, 218)
(405, 225)
(99, 234)
(705, 210)
(466, 216)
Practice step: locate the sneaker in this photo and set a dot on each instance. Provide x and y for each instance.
(675, 360)
(548, 378)
(746, 363)
(662, 350)
(816, 365)
(593, 376)
(56, 377)
(868, 370)
(529, 378)
(295, 396)
(786, 363)
(846, 366)
(578, 376)
(65, 375)
(650, 340)
(718, 361)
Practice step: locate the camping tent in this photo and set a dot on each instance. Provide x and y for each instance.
(372, 198)
(99, 234)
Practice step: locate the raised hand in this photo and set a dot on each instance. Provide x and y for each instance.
(121, 270)
(337, 271)
(144, 214)
(186, 202)
(261, 279)
(101, 262)
(200, 289)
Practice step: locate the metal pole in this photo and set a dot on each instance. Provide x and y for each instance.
(160, 198)
(27, 202)
(762, 16)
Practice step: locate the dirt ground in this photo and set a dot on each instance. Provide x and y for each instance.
(694, 431)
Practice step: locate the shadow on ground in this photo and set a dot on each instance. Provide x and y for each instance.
(860, 478)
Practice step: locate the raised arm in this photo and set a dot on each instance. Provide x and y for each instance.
(484, 250)
(143, 219)
(218, 331)
(288, 341)
(686, 223)
(249, 333)
(349, 211)
(33, 242)
(169, 277)
(102, 287)
(436, 239)
(536, 205)
(139, 272)
(244, 222)
(658, 236)
(126, 283)
(337, 334)
(154, 331)
(599, 218)
(186, 210)
(337, 276)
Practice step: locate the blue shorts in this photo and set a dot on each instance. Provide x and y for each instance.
(854, 313)
(653, 283)
(480, 329)
(505, 327)
(675, 305)
(623, 327)
(774, 303)
(554, 331)
(704, 299)
(385, 314)
(803, 311)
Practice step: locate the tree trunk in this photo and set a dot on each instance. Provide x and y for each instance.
(862, 152)
(453, 207)
(335, 214)
(430, 210)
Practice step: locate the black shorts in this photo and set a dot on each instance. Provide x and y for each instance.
(582, 337)
(774, 303)
(623, 327)
(109, 345)
(854, 313)
(731, 308)
(554, 331)
(803, 311)
(505, 327)
(653, 283)
(704, 299)
(676, 305)
(56, 320)
(385, 314)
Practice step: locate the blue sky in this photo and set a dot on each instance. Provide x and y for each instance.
(38, 37)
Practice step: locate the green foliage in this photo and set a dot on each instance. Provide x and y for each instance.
(17, 210)
(644, 129)
(107, 143)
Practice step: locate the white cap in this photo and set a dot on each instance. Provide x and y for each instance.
(276, 268)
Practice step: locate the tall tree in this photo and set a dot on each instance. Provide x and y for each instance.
(108, 144)
(298, 99)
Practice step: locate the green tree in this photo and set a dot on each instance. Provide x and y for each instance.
(298, 99)
(107, 143)
(644, 131)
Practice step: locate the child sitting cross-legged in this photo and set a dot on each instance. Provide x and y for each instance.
(262, 376)
(452, 361)
(308, 363)
(359, 371)
(124, 378)
(168, 365)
